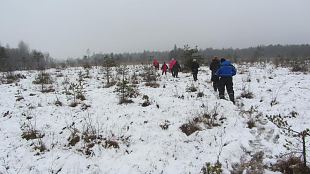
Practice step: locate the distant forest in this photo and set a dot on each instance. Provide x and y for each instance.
(22, 58)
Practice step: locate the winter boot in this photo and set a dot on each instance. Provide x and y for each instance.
(231, 97)
(215, 88)
(222, 97)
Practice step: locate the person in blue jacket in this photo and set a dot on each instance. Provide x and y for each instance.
(225, 73)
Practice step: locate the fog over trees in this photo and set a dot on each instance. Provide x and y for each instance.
(24, 58)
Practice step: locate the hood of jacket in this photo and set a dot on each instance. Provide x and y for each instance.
(225, 63)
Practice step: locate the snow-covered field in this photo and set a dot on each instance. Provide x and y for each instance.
(135, 139)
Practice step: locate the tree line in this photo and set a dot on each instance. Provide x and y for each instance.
(22, 58)
(271, 53)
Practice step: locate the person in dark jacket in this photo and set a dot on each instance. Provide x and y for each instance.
(214, 66)
(226, 72)
(175, 69)
(171, 64)
(195, 67)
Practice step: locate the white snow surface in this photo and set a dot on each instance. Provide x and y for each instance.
(149, 148)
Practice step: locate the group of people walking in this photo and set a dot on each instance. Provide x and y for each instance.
(222, 72)
(174, 67)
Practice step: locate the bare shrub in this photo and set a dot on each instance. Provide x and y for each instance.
(30, 132)
(58, 73)
(190, 128)
(112, 82)
(152, 84)
(7, 113)
(48, 89)
(80, 96)
(200, 94)
(274, 102)
(125, 101)
(87, 65)
(251, 123)
(300, 135)
(88, 136)
(146, 101)
(19, 98)
(290, 165)
(243, 69)
(111, 144)
(254, 165)
(248, 78)
(85, 106)
(91, 136)
(165, 125)
(73, 104)
(90, 132)
(246, 92)
(211, 118)
(74, 137)
(253, 116)
(40, 146)
(209, 168)
(58, 102)
(10, 77)
(191, 88)
(208, 118)
(299, 66)
(274, 97)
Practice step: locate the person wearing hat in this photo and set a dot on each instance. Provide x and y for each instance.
(195, 67)
(225, 73)
(214, 66)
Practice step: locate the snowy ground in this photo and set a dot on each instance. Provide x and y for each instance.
(143, 145)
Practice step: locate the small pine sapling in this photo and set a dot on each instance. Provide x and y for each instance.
(124, 89)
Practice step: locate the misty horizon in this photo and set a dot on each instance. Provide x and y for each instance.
(68, 28)
(141, 51)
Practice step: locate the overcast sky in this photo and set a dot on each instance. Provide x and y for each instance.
(67, 28)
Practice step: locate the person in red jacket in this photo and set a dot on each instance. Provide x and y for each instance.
(171, 64)
(164, 68)
(156, 64)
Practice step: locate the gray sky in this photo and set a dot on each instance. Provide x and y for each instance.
(67, 28)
